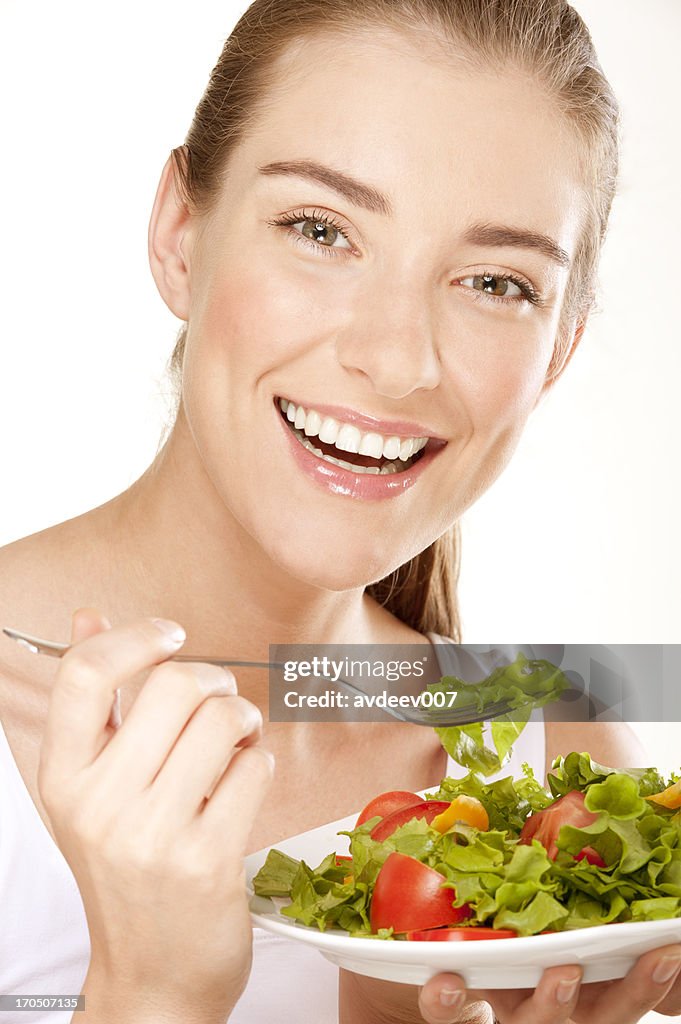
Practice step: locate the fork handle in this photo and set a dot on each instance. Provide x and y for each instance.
(56, 650)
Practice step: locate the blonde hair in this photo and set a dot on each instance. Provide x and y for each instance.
(544, 39)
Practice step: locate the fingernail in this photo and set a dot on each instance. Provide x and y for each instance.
(172, 631)
(215, 681)
(565, 990)
(666, 968)
(452, 997)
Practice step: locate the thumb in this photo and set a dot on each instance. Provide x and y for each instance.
(87, 622)
(444, 1000)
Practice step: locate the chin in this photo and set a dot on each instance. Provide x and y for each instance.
(336, 565)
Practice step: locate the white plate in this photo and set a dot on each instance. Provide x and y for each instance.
(605, 952)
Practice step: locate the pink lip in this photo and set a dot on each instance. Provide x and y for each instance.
(367, 486)
(401, 428)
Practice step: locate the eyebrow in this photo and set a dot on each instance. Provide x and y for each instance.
(370, 198)
(500, 235)
(356, 191)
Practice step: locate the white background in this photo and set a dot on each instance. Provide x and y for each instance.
(577, 541)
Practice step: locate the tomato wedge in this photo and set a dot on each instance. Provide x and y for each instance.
(545, 825)
(460, 934)
(408, 895)
(386, 803)
(427, 809)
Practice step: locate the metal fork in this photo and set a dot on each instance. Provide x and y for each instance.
(430, 717)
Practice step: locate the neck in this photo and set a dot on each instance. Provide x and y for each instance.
(185, 557)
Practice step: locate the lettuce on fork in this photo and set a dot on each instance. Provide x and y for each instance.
(524, 684)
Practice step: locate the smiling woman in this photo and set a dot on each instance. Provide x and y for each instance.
(381, 237)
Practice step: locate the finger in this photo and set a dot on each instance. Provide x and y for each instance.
(236, 800)
(201, 755)
(648, 982)
(83, 690)
(670, 1004)
(171, 695)
(87, 622)
(551, 1002)
(443, 998)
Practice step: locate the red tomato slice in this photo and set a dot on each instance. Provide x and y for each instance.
(409, 895)
(460, 934)
(545, 825)
(427, 809)
(340, 857)
(592, 856)
(386, 803)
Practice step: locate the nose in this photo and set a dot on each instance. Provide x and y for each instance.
(392, 340)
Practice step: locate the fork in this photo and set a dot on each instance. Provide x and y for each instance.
(431, 717)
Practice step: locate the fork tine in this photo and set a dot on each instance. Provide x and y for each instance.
(441, 717)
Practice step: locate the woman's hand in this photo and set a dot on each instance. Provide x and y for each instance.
(652, 984)
(159, 867)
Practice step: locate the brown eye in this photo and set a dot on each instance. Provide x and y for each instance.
(498, 286)
(318, 231)
(315, 230)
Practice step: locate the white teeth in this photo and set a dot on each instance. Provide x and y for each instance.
(313, 422)
(391, 448)
(328, 431)
(406, 449)
(371, 444)
(349, 438)
(338, 462)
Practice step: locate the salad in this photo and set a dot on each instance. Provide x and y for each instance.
(500, 859)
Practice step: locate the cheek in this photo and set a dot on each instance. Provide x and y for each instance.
(498, 383)
(251, 318)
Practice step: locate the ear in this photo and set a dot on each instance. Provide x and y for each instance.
(558, 370)
(169, 244)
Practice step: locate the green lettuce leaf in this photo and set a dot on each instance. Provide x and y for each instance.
(275, 877)
(524, 685)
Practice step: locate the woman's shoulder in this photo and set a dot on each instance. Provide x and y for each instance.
(38, 576)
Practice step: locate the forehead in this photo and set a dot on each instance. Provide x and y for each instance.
(423, 127)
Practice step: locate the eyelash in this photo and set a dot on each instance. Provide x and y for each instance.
(319, 217)
(529, 292)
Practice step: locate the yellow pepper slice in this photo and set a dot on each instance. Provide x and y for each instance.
(463, 808)
(669, 797)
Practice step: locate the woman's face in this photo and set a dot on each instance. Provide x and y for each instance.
(431, 312)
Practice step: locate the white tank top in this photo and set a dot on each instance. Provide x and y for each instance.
(44, 942)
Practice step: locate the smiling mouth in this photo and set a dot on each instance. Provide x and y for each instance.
(343, 444)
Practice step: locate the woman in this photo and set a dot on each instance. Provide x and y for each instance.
(294, 236)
